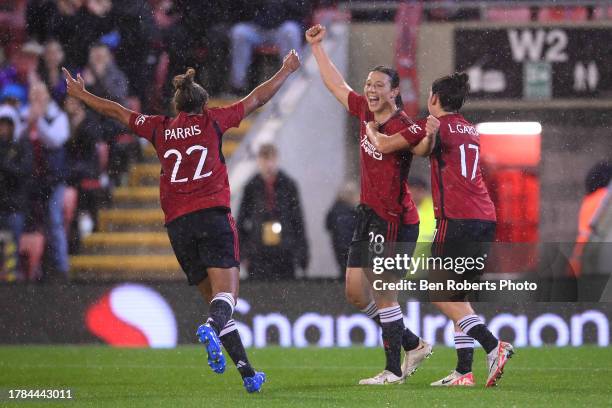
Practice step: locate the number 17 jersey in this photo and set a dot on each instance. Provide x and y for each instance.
(457, 186)
(193, 172)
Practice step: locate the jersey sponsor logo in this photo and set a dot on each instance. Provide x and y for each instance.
(140, 120)
(369, 148)
(459, 128)
(182, 133)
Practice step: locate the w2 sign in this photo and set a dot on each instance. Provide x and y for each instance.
(557, 62)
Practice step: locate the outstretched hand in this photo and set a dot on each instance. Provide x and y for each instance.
(292, 61)
(315, 34)
(75, 87)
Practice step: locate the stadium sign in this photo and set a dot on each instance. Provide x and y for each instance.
(289, 314)
(536, 62)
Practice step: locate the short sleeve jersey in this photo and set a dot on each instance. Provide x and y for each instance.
(384, 177)
(193, 171)
(457, 186)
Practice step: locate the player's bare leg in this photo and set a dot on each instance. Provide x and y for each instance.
(218, 286)
(498, 352)
(358, 290)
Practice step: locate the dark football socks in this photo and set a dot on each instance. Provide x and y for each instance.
(410, 341)
(233, 345)
(392, 322)
(474, 327)
(465, 352)
(220, 311)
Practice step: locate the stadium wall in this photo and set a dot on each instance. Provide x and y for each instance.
(294, 314)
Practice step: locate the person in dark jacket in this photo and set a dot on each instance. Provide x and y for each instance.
(340, 222)
(15, 173)
(270, 222)
(48, 130)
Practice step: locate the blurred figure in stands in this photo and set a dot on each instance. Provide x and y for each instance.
(273, 22)
(340, 222)
(270, 222)
(198, 36)
(50, 71)
(48, 129)
(84, 188)
(597, 185)
(15, 179)
(102, 76)
(422, 199)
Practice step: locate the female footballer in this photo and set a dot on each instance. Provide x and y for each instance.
(195, 197)
(465, 218)
(386, 214)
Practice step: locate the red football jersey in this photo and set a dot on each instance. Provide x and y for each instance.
(458, 189)
(384, 185)
(193, 172)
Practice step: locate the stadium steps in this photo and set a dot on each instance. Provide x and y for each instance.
(131, 242)
(134, 219)
(136, 197)
(122, 267)
(127, 243)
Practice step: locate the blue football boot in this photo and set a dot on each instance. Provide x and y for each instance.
(254, 383)
(208, 336)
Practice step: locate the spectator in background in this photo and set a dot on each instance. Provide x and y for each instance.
(198, 37)
(48, 129)
(136, 31)
(340, 222)
(15, 176)
(270, 222)
(273, 22)
(597, 185)
(76, 24)
(83, 163)
(50, 70)
(424, 203)
(102, 76)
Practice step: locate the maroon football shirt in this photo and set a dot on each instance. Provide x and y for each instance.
(193, 172)
(458, 189)
(384, 185)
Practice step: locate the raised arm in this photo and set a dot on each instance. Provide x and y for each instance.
(76, 89)
(264, 92)
(332, 78)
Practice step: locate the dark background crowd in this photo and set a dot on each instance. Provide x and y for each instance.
(58, 159)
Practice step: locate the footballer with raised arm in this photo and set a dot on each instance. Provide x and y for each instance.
(386, 213)
(195, 197)
(465, 226)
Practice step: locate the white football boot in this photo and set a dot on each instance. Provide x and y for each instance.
(383, 378)
(414, 358)
(455, 379)
(496, 360)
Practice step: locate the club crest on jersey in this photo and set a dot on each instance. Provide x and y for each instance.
(140, 120)
(415, 129)
(370, 149)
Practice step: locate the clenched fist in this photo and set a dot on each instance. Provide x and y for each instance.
(292, 61)
(432, 125)
(315, 34)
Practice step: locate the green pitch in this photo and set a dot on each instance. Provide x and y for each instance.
(102, 376)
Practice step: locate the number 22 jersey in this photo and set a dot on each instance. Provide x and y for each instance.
(457, 186)
(193, 172)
